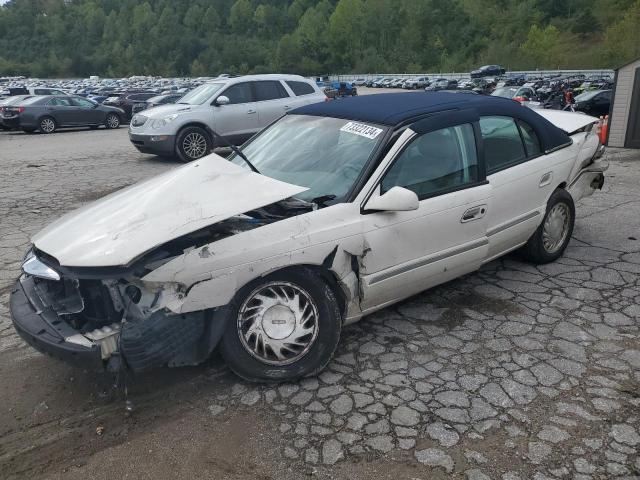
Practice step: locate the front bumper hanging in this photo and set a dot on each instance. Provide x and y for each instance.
(43, 329)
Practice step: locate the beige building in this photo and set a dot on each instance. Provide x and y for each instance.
(624, 120)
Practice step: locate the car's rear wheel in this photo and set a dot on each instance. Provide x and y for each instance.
(112, 121)
(282, 327)
(192, 143)
(551, 238)
(47, 125)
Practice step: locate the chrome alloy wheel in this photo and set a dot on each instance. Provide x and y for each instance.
(556, 227)
(194, 145)
(113, 121)
(278, 323)
(47, 125)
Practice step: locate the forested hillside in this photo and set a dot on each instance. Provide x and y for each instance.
(206, 37)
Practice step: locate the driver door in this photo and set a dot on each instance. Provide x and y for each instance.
(446, 236)
(86, 113)
(238, 119)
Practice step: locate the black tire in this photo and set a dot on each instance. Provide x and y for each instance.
(536, 250)
(112, 121)
(47, 125)
(320, 348)
(192, 143)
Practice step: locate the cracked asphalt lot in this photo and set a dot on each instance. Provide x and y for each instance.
(513, 372)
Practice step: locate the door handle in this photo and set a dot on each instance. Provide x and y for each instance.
(251, 111)
(474, 213)
(546, 179)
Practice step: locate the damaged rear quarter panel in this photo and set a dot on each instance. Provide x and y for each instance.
(213, 273)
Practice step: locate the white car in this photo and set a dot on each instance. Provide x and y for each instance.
(358, 204)
(234, 107)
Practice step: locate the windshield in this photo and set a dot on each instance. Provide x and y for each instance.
(199, 95)
(323, 154)
(504, 92)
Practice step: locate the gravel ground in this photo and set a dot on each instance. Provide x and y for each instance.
(513, 372)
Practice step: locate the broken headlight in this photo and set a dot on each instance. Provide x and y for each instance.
(31, 265)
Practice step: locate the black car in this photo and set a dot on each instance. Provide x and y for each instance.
(488, 71)
(127, 100)
(50, 112)
(443, 84)
(155, 101)
(594, 102)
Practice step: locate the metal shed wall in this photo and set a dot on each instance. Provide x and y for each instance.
(621, 104)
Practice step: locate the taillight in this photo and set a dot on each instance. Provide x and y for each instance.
(20, 109)
(519, 99)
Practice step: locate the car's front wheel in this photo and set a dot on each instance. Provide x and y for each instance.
(551, 238)
(282, 327)
(112, 121)
(47, 125)
(192, 143)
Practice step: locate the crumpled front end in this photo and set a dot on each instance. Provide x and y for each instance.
(96, 319)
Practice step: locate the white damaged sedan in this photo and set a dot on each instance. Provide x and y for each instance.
(334, 211)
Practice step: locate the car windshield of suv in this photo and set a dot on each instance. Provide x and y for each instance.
(324, 154)
(504, 92)
(199, 95)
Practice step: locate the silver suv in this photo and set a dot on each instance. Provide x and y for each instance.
(235, 108)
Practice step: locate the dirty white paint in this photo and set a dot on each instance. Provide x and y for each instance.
(376, 257)
(120, 227)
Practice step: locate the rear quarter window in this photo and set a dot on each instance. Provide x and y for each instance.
(300, 88)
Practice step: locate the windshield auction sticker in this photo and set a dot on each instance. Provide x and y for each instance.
(361, 129)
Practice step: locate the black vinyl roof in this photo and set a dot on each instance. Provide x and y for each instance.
(393, 109)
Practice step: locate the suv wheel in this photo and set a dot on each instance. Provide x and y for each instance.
(192, 143)
(282, 327)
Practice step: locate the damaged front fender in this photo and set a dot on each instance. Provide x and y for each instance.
(212, 279)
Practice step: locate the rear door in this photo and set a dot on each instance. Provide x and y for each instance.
(237, 120)
(272, 101)
(61, 109)
(446, 236)
(522, 178)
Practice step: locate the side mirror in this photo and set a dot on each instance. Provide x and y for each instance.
(397, 199)
(221, 100)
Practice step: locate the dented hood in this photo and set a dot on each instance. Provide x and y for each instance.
(567, 121)
(120, 227)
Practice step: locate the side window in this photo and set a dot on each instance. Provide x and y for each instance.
(41, 91)
(502, 143)
(60, 102)
(239, 93)
(269, 90)
(82, 102)
(436, 162)
(531, 140)
(300, 88)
